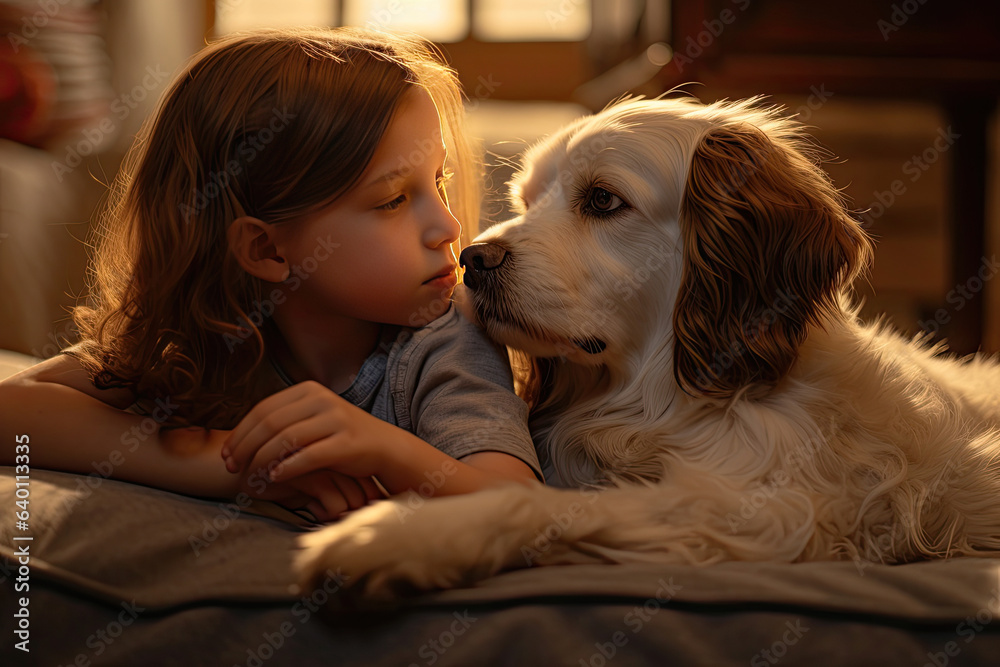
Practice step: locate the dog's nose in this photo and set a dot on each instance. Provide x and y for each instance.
(479, 258)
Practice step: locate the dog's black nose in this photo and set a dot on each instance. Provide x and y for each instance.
(479, 258)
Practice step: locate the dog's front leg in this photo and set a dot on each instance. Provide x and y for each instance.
(411, 544)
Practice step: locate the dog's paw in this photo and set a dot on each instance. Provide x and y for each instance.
(407, 545)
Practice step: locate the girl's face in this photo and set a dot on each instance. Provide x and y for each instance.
(384, 251)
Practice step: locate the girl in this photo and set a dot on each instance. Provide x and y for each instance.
(279, 229)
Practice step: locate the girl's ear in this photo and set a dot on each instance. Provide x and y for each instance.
(252, 241)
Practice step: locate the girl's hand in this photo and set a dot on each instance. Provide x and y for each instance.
(326, 494)
(307, 427)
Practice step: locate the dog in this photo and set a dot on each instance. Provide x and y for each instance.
(678, 278)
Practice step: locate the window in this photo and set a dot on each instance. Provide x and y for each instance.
(438, 20)
(531, 20)
(236, 15)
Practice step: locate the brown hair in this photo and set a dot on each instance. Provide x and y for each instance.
(768, 245)
(273, 124)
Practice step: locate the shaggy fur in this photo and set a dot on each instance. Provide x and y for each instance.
(678, 276)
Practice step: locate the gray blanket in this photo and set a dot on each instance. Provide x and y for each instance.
(188, 569)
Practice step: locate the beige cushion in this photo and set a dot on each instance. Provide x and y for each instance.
(14, 362)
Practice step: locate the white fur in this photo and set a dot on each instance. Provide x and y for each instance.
(871, 447)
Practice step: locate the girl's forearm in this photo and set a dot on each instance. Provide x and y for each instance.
(73, 432)
(412, 464)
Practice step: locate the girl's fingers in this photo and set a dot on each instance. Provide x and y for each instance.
(318, 455)
(324, 493)
(292, 439)
(257, 412)
(350, 489)
(308, 393)
(258, 430)
(316, 508)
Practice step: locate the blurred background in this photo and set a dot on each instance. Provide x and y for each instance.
(903, 92)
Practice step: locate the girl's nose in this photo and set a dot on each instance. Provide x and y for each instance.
(443, 227)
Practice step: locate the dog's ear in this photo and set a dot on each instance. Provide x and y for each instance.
(767, 246)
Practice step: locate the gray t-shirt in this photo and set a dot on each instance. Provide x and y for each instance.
(448, 384)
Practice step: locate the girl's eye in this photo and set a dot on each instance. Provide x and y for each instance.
(440, 181)
(393, 205)
(602, 201)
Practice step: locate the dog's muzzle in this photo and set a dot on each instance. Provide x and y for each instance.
(478, 259)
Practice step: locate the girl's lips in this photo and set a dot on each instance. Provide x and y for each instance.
(445, 280)
(447, 276)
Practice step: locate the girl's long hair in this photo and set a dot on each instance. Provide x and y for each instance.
(275, 125)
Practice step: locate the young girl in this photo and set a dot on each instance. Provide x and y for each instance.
(278, 260)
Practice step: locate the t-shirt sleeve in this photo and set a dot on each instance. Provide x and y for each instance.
(464, 402)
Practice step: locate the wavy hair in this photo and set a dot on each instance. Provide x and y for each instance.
(272, 124)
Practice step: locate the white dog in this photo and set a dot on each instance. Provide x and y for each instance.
(678, 277)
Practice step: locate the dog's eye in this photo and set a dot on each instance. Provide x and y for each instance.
(601, 201)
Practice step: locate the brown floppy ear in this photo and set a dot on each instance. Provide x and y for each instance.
(767, 246)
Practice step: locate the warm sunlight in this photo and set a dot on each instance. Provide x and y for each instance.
(531, 20)
(236, 15)
(437, 20)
